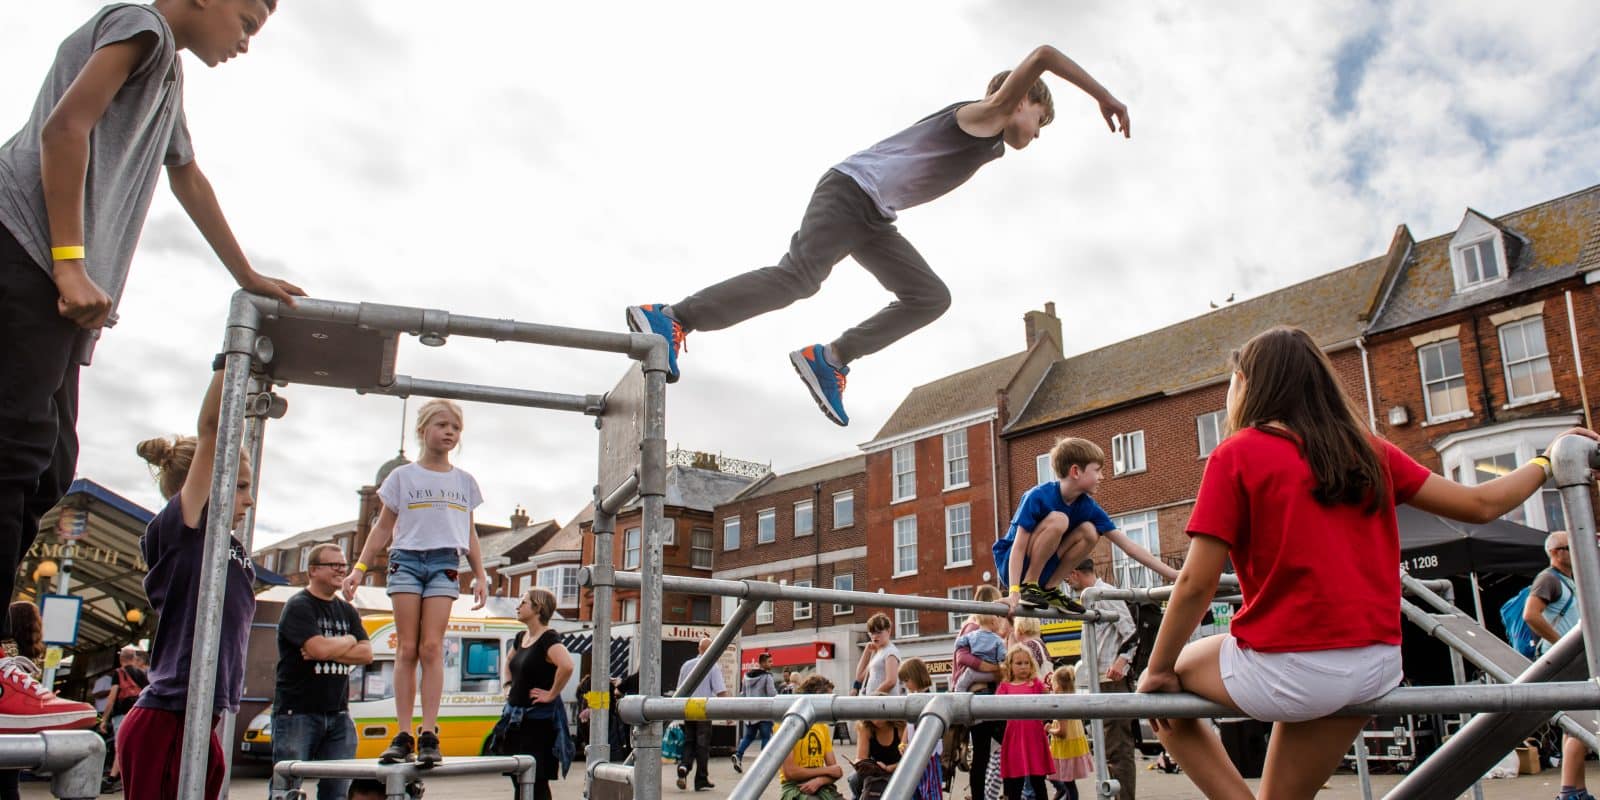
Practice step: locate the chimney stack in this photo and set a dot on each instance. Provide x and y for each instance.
(1043, 323)
(519, 518)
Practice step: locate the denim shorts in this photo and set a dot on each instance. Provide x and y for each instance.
(430, 573)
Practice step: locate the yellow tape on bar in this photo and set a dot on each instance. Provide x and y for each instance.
(597, 699)
(694, 708)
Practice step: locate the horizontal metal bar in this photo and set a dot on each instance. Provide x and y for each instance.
(367, 768)
(620, 496)
(1576, 695)
(406, 386)
(766, 590)
(615, 773)
(1152, 594)
(420, 321)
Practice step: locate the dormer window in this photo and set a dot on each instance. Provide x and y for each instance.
(1478, 252)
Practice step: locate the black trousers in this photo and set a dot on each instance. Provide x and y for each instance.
(1014, 787)
(841, 220)
(696, 751)
(38, 407)
(983, 735)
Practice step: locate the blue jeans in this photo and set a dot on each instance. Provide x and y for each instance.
(753, 730)
(309, 736)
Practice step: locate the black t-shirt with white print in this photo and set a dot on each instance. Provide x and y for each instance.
(306, 685)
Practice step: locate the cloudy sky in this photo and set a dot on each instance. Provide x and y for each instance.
(556, 162)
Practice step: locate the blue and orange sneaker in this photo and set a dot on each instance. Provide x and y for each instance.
(651, 319)
(825, 381)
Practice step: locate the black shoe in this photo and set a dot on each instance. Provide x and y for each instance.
(1060, 601)
(738, 763)
(683, 777)
(428, 749)
(700, 787)
(1035, 596)
(400, 749)
(110, 786)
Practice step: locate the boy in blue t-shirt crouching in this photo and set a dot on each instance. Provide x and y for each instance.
(1058, 522)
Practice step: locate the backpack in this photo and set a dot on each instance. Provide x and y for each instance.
(1521, 637)
(128, 689)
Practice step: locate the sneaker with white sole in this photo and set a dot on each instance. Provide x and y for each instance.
(651, 318)
(28, 707)
(825, 381)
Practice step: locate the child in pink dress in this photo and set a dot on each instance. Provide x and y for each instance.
(1069, 744)
(1025, 750)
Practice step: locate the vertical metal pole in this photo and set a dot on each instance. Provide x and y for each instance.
(1106, 786)
(1458, 673)
(1573, 457)
(254, 433)
(600, 711)
(652, 492)
(238, 344)
(1363, 773)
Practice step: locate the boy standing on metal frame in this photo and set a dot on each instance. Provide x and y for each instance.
(852, 213)
(75, 186)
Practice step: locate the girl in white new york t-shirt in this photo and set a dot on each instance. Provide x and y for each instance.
(427, 513)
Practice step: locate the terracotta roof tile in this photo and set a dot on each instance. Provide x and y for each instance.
(965, 392)
(776, 483)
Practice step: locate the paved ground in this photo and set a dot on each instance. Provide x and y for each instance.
(1152, 785)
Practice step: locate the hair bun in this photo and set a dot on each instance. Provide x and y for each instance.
(157, 451)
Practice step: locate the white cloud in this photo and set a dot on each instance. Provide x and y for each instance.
(555, 163)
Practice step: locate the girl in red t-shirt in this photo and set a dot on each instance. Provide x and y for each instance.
(1301, 496)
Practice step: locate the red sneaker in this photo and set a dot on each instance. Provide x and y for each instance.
(27, 707)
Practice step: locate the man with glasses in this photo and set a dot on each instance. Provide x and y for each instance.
(320, 641)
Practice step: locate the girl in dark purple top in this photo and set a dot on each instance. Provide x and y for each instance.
(151, 737)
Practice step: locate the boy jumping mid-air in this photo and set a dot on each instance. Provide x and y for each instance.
(852, 213)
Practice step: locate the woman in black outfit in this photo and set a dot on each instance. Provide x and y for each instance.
(534, 721)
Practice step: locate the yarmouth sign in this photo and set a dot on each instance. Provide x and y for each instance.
(92, 553)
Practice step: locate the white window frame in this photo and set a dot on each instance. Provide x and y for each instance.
(269, 560)
(907, 625)
(730, 525)
(951, 549)
(767, 526)
(905, 545)
(1444, 378)
(697, 551)
(730, 606)
(631, 553)
(1460, 452)
(1215, 423)
(559, 580)
(849, 498)
(810, 516)
(957, 618)
(305, 558)
(1143, 527)
(844, 583)
(802, 608)
(1043, 469)
(630, 609)
(1520, 328)
(1459, 261)
(764, 613)
(957, 466)
(1127, 453)
(903, 464)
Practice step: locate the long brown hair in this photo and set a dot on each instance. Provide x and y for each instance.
(1289, 380)
(27, 628)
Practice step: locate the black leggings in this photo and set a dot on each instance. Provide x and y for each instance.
(1014, 787)
(983, 735)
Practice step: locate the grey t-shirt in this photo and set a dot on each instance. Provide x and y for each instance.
(920, 163)
(142, 130)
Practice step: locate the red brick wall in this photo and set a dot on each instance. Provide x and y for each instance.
(1172, 454)
(932, 578)
(786, 546)
(1397, 375)
(675, 560)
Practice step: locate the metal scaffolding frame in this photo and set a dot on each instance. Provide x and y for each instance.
(74, 760)
(1547, 687)
(353, 346)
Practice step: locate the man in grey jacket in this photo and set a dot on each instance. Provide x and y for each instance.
(1117, 642)
(757, 682)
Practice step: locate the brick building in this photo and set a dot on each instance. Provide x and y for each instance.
(1481, 337)
(800, 528)
(696, 484)
(554, 565)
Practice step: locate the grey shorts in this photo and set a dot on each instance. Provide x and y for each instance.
(1296, 687)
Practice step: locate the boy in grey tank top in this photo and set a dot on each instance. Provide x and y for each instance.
(75, 186)
(852, 213)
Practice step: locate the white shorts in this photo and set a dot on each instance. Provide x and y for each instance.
(1295, 687)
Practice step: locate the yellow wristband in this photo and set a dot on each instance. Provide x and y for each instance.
(1015, 589)
(69, 253)
(361, 565)
(1544, 464)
